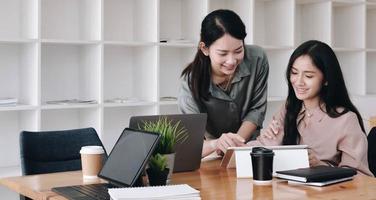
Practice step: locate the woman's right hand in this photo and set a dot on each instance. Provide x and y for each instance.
(229, 140)
(272, 130)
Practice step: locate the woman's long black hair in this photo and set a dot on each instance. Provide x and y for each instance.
(333, 94)
(214, 26)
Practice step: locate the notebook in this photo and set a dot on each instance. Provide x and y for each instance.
(121, 169)
(323, 183)
(316, 174)
(188, 154)
(180, 192)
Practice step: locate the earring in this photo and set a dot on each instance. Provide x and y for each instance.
(326, 84)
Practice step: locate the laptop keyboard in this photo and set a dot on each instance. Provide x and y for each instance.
(89, 192)
(97, 191)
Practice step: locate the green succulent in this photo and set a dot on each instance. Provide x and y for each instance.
(171, 133)
(158, 162)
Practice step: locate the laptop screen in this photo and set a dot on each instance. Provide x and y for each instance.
(129, 156)
(188, 153)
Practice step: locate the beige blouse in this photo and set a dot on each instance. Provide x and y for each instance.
(335, 141)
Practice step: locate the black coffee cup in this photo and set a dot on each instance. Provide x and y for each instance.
(262, 164)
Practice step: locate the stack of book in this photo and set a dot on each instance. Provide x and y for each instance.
(180, 192)
(317, 176)
(8, 101)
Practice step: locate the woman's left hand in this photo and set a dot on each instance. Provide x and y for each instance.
(229, 140)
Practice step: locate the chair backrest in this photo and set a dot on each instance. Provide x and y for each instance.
(54, 151)
(372, 150)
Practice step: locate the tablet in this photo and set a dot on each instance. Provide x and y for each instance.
(228, 159)
(239, 158)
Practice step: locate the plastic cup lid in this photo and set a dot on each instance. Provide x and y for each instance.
(92, 150)
(261, 150)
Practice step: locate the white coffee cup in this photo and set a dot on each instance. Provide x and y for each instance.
(91, 160)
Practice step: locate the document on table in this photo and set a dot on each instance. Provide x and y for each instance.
(180, 192)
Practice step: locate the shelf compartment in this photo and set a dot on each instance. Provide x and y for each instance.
(173, 60)
(371, 27)
(348, 25)
(128, 103)
(18, 19)
(18, 41)
(130, 73)
(9, 171)
(68, 106)
(116, 119)
(130, 20)
(371, 73)
(177, 44)
(64, 41)
(273, 29)
(353, 69)
(242, 7)
(71, 19)
(19, 72)
(11, 124)
(19, 107)
(312, 21)
(63, 119)
(129, 43)
(180, 19)
(278, 60)
(166, 109)
(70, 72)
(366, 107)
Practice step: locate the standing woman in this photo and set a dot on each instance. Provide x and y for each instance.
(228, 81)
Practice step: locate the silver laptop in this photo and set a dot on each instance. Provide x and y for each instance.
(188, 154)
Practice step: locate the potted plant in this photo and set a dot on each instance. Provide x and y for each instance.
(171, 132)
(157, 171)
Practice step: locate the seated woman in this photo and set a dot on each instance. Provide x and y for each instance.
(318, 112)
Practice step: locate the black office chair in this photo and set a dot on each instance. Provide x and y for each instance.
(54, 151)
(372, 150)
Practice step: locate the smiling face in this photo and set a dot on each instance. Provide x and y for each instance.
(225, 55)
(307, 80)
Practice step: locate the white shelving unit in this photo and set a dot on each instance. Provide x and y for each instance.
(312, 21)
(127, 56)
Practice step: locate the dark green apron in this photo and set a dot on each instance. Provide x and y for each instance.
(224, 115)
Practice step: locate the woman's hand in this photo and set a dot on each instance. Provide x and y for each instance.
(228, 140)
(272, 130)
(313, 160)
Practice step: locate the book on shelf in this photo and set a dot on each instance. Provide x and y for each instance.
(316, 174)
(71, 101)
(8, 101)
(181, 192)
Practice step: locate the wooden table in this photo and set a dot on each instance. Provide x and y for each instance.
(213, 182)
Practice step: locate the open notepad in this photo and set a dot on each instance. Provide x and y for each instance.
(180, 192)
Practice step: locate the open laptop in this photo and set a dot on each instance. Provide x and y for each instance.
(121, 169)
(188, 153)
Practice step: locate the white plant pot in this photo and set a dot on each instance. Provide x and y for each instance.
(170, 164)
